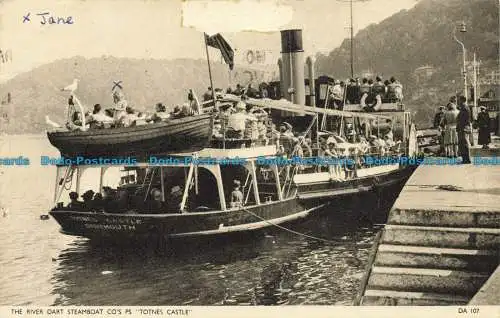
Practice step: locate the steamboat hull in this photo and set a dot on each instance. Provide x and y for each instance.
(177, 135)
(311, 199)
(382, 184)
(112, 227)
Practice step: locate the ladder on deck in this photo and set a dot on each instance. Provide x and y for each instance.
(147, 182)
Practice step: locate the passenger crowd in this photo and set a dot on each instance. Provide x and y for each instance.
(369, 93)
(121, 200)
(366, 92)
(124, 115)
(455, 124)
(253, 126)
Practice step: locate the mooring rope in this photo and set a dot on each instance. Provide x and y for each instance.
(292, 231)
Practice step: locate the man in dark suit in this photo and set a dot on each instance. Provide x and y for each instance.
(464, 130)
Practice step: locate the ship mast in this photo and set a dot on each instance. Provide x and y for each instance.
(352, 44)
(351, 28)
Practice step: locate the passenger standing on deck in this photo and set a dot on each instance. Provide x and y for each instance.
(483, 125)
(337, 95)
(120, 103)
(208, 94)
(395, 90)
(464, 130)
(352, 91)
(274, 135)
(251, 125)
(306, 146)
(288, 130)
(334, 167)
(236, 196)
(236, 123)
(193, 102)
(251, 92)
(450, 128)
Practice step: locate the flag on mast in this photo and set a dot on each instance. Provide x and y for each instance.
(218, 42)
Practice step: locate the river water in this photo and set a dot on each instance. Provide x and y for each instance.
(41, 266)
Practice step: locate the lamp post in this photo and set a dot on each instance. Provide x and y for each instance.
(463, 29)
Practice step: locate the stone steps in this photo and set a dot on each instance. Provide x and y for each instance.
(431, 265)
(382, 297)
(483, 217)
(467, 238)
(484, 261)
(458, 282)
(438, 247)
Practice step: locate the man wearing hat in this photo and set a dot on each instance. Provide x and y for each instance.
(208, 94)
(337, 94)
(175, 199)
(236, 195)
(74, 203)
(236, 123)
(287, 130)
(464, 130)
(87, 200)
(483, 125)
(176, 112)
(334, 168)
(128, 118)
(439, 124)
(156, 204)
(377, 143)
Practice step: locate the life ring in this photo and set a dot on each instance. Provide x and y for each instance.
(376, 102)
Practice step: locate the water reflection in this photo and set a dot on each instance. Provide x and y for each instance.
(42, 267)
(268, 268)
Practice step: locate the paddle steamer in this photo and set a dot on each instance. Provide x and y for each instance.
(191, 194)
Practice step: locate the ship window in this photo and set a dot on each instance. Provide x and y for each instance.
(266, 179)
(203, 192)
(322, 91)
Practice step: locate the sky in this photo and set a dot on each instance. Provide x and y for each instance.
(173, 28)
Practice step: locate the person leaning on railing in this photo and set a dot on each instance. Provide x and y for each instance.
(330, 152)
(364, 91)
(394, 90)
(237, 121)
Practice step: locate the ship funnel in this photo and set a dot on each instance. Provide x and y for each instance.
(292, 58)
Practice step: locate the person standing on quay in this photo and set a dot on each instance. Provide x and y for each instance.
(439, 124)
(483, 125)
(449, 122)
(464, 130)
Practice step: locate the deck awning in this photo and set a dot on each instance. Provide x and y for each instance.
(301, 109)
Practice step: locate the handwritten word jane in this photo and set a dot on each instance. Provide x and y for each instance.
(47, 18)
